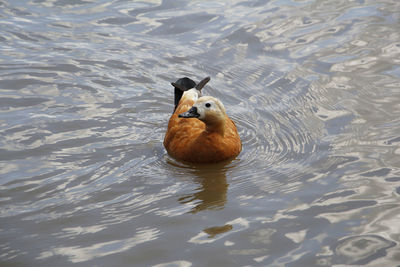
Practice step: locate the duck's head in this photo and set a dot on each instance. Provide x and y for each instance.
(207, 109)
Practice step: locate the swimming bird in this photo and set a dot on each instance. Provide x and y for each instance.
(199, 130)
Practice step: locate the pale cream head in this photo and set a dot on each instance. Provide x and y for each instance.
(209, 107)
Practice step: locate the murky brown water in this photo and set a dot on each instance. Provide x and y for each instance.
(85, 96)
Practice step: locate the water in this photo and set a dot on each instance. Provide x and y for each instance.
(313, 87)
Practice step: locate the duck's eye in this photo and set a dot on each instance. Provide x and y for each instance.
(208, 105)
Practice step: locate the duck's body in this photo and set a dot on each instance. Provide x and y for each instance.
(199, 130)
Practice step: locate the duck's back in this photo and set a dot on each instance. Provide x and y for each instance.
(181, 132)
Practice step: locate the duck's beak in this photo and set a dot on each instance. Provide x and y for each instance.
(191, 113)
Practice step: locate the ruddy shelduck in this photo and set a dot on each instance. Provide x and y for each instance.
(199, 131)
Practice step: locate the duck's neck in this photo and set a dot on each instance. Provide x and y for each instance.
(216, 126)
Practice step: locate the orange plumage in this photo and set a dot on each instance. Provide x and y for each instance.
(199, 130)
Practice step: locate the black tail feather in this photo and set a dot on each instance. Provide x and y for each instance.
(182, 85)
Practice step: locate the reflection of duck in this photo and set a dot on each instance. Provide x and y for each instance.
(211, 194)
(210, 136)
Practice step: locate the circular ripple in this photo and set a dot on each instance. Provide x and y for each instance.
(362, 249)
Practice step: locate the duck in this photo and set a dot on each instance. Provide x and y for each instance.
(199, 130)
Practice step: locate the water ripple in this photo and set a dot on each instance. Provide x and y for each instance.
(85, 100)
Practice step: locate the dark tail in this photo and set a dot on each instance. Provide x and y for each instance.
(184, 84)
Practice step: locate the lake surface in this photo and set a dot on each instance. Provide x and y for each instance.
(85, 97)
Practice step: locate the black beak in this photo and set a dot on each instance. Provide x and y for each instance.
(191, 113)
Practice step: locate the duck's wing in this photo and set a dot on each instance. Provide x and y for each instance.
(182, 131)
(233, 137)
